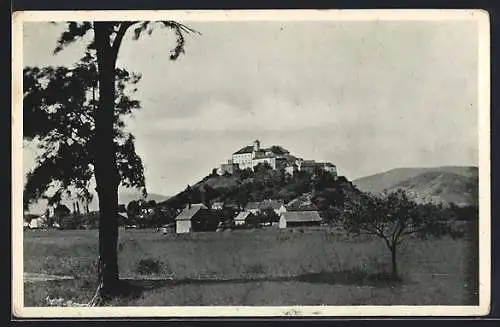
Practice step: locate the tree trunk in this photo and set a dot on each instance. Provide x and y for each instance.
(394, 262)
(106, 172)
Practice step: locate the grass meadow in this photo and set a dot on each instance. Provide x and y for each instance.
(309, 266)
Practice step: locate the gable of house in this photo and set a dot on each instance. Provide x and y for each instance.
(189, 212)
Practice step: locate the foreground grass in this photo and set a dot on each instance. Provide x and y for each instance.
(256, 267)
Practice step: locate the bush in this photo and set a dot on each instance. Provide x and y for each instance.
(148, 266)
(256, 268)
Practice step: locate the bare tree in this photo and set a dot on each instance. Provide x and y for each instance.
(393, 218)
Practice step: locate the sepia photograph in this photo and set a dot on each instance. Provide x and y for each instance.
(251, 163)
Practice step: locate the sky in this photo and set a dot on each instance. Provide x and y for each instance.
(366, 96)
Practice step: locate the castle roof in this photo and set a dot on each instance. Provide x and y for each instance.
(247, 149)
(263, 155)
(276, 149)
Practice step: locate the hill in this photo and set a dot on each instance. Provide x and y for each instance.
(264, 183)
(439, 184)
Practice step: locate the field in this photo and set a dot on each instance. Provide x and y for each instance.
(315, 266)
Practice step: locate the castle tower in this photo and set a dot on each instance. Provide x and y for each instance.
(256, 145)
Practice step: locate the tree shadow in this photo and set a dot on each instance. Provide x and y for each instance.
(355, 277)
(351, 277)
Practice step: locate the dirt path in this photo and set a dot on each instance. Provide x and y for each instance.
(36, 277)
(40, 277)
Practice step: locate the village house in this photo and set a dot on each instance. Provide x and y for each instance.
(302, 203)
(196, 217)
(32, 221)
(183, 220)
(242, 218)
(252, 207)
(277, 205)
(299, 218)
(217, 205)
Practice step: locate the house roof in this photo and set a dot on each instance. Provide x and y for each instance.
(247, 149)
(189, 213)
(302, 203)
(301, 216)
(302, 207)
(327, 164)
(252, 205)
(242, 216)
(274, 204)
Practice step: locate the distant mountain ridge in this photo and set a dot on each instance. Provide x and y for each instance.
(457, 184)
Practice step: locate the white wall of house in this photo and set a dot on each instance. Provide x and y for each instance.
(182, 226)
(244, 160)
(280, 210)
(282, 222)
(37, 223)
(239, 222)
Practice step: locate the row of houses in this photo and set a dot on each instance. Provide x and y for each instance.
(67, 221)
(299, 212)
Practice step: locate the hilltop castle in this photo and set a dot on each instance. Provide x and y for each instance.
(276, 156)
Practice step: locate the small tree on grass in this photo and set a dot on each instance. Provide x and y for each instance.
(394, 217)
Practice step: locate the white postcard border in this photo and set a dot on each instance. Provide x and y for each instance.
(480, 16)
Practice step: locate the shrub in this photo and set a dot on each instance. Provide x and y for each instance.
(148, 266)
(257, 268)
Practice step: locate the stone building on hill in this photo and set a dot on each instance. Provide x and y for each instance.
(252, 155)
(227, 168)
(275, 156)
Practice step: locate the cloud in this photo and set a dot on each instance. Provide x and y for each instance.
(269, 114)
(370, 96)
